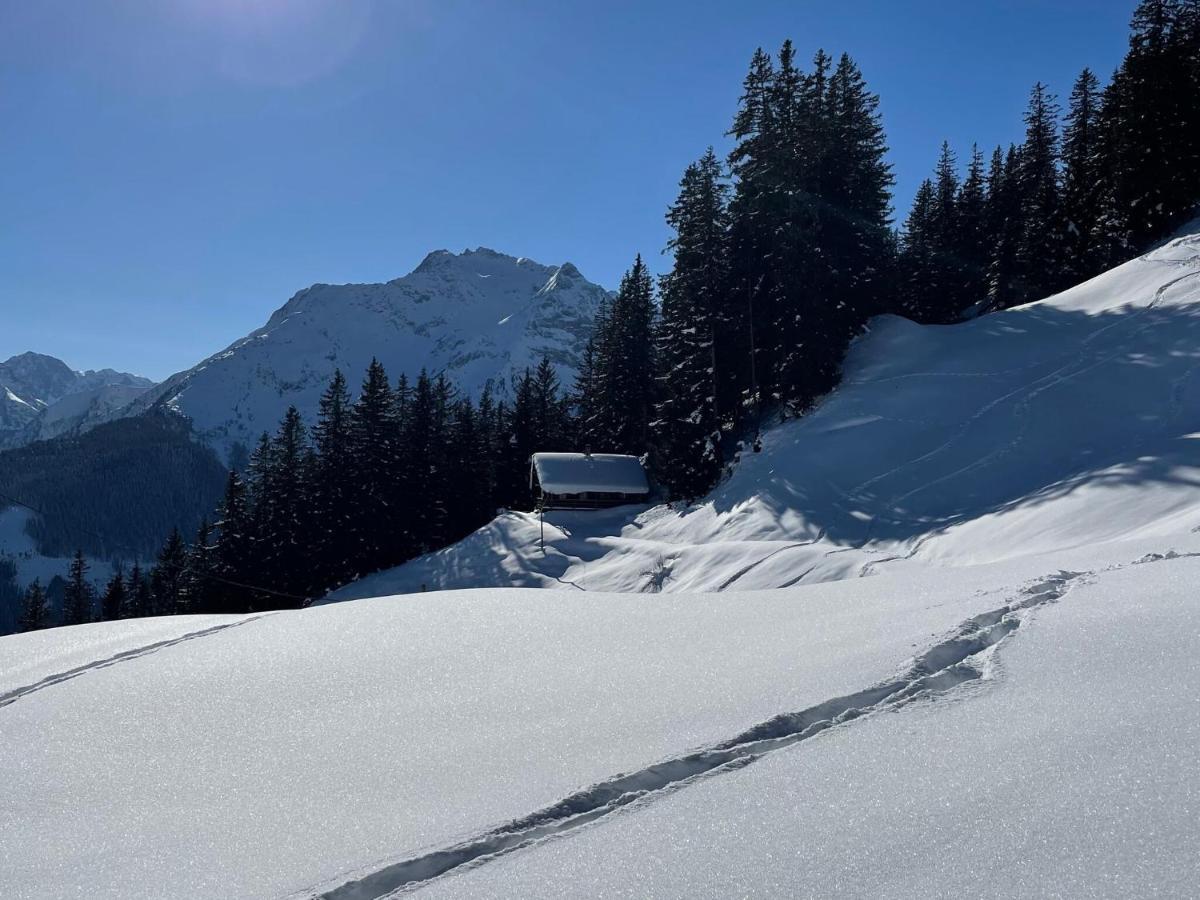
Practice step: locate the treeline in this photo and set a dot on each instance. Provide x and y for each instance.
(399, 470)
(781, 253)
(1077, 196)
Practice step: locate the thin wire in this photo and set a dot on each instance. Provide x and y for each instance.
(136, 554)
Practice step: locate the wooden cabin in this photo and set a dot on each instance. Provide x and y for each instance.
(587, 480)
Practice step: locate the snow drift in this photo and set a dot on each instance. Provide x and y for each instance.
(1008, 708)
(1063, 423)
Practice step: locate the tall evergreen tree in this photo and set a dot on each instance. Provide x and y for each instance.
(332, 486)
(1040, 249)
(625, 364)
(693, 356)
(115, 599)
(233, 554)
(137, 593)
(374, 442)
(1149, 132)
(1082, 198)
(35, 608)
(971, 243)
(1006, 229)
(79, 596)
(168, 579)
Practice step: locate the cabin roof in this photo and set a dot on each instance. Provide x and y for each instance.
(578, 473)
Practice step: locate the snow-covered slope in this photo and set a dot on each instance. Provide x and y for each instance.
(42, 397)
(1064, 423)
(941, 721)
(1007, 709)
(478, 316)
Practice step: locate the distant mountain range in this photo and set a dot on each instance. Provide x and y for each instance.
(478, 316)
(42, 397)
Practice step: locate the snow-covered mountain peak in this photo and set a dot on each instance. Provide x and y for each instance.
(479, 316)
(42, 397)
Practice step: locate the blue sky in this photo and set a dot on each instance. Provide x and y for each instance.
(171, 171)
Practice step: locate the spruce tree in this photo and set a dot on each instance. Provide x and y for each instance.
(1040, 249)
(137, 594)
(284, 513)
(1149, 132)
(1006, 227)
(971, 243)
(332, 488)
(693, 354)
(920, 272)
(35, 608)
(201, 590)
(79, 596)
(168, 579)
(115, 599)
(374, 442)
(233, 552)
(1082, 197)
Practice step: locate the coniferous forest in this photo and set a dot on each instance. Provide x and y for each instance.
(781, 253)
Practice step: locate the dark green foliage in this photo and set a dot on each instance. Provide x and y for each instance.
(117, 490)
(35, 608)
(11, 596)
(1086, 253)
(615, 392)
(79, 597)
(687, 427)
(1149, 128)
(169, 579)
(115, 598)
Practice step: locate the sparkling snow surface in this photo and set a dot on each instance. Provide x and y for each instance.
(1072, 772)
(1008, 709)
(356, 733)
(1060, 424)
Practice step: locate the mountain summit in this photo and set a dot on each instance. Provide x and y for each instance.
(42, 397)
(478, 316)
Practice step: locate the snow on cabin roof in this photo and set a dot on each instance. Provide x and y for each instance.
(576, 473)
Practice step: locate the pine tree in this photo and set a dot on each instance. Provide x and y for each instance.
(332, 489)
(920, 272)
(1005, 227)
(35, 608)
(1150, 137)
(233, 552)
(374, 443)
(201, 590)
(284, 510)
(1082, 199)
(971, 245)
(115, 599)
(693, 355)
(1040, 248)
(79, 597)
(625, 366)
(137, 594)
(167, 580)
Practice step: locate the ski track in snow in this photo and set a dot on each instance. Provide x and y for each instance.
(959, 659)
(124, 656)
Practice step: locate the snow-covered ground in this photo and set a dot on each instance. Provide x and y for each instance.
(1008, 708)
(1060, 424)
(1068, 770)
(346, 750)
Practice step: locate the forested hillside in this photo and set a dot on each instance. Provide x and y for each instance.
(116, 491)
